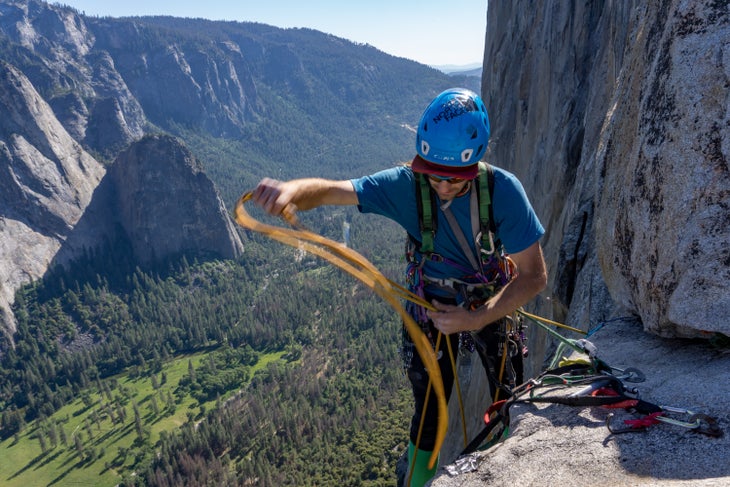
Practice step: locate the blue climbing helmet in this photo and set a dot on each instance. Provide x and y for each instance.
(452, 135)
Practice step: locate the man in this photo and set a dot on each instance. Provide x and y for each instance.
(470, 286)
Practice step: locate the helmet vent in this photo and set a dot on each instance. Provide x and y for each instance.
(425, 148)
(466, 155)
(479, 151)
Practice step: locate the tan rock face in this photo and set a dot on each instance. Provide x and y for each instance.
(615, 116)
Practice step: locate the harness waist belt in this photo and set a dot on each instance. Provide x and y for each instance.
(457, 283)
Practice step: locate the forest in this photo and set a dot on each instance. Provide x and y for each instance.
(332, 409)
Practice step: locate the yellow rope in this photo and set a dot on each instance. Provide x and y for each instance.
(359, 267)
(423, 420)
(551, 322)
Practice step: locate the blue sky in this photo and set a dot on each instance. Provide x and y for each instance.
(445, 32)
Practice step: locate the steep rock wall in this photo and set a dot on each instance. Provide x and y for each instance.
(56, 200)
(167, 205)
(81, 84)
(663, 241)
(615, 116)
(46, 182)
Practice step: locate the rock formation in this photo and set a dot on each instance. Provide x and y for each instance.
(46, 182)
(615, 115)
(167, 205)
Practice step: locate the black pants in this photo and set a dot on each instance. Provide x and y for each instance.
(490, 347)
(419, 378)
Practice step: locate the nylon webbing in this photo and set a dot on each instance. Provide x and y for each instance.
(459, 234)
(426, 213)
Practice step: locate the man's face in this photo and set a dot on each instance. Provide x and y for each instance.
(449, 188)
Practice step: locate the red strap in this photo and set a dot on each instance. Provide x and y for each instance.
(644, 422)
(607, 391)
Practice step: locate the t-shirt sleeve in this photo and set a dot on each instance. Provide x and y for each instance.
(517, 224)
(389, 193)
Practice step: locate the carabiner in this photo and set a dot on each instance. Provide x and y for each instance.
(632, 428)
(701, 423)
(630, 374)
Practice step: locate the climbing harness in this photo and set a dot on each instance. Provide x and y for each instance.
(490, 268)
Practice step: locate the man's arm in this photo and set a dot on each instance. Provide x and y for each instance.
(302, 194)
(531, 279)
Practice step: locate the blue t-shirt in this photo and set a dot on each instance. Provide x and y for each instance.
(392, 193)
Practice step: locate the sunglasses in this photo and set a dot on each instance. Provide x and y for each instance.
(437, 179)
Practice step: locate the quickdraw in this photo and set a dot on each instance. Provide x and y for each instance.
(698, 422)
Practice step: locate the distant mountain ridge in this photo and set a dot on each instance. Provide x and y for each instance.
(286, 101)
(458, 68)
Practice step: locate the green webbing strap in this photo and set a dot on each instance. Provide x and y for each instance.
(427, 211)
(426, 220)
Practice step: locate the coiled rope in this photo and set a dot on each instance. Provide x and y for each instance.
(359, 267)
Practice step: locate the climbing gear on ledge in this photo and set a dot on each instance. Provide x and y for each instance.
(698, 422)
(600, 385)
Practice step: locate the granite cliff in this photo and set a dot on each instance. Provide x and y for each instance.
(616, 116)
(166, 204)
(56, 200)
(46, 182)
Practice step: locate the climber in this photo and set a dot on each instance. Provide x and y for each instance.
(474, 214)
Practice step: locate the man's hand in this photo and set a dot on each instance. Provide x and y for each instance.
(452, 319)
(277, 197)
(274, 196)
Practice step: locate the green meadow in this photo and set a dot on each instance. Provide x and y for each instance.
(96, 439)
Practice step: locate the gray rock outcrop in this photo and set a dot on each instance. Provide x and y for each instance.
(46, 182)
(627, 104)
(167, 205)
(56, 200)
(80, 83)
